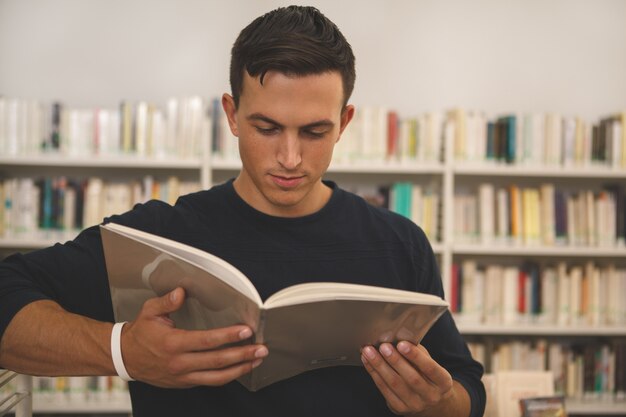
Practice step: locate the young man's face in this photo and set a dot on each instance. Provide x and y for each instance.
(287, 130)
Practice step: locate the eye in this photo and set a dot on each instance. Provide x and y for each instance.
(315, 134)
(267, 131)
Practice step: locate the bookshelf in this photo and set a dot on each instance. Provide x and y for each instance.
(449, 174)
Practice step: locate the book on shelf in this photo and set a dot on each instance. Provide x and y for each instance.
(587, 370)
(63, 391)
(505, 390)
(142, 129)
(553, 406)
(305, 326)
(562, 295)
(548, 139)
(541, 216)
(378, 134)
(419, 203)
(62, 203)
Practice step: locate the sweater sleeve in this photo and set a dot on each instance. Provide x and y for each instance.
(444, 342)
(72, 274)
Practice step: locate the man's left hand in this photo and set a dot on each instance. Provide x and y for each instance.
(409, 379)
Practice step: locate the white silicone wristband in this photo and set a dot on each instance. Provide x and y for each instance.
(116, 351)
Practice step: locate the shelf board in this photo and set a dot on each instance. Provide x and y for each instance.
(379, 167)
(504, 170)
(517, 329)
(577, 251)
(573, 405)
(437, 247)
(386, 168)
(69, 406)
(37, 240)
(595, 406)
(95, 161)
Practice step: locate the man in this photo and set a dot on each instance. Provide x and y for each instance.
(292, 73)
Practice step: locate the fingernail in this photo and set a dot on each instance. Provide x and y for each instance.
(386, 350)
(404, 347)
(369, 352)
(363, 360)
(257, 363)
(261, 352)
(245, 333)
(173, 296)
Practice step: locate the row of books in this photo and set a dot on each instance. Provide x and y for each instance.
(75, 390)
(375, 134)
(538, 139)
(182, 126)
(61, 203)
(575, 295)
(591, 370)
(379, 134)
(544, 215)
(29, 127)
(419, 203)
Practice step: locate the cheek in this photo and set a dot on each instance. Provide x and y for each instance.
(254, 150)
(322, 153)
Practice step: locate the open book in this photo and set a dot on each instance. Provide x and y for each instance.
(305, 326)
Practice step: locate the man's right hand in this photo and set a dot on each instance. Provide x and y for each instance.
(156, 352)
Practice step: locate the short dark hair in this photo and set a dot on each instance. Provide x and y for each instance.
(294, 40)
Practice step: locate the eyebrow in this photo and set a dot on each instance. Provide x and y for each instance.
(319, 123)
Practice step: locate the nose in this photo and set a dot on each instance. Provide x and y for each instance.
(289, 154)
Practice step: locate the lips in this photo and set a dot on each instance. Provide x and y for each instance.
(287, 182)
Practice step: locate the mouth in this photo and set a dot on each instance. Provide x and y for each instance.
(287, 181)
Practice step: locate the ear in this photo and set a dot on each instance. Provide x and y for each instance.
(228, 104)
(346, 116)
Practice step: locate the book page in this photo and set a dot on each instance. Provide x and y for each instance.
(320, 291)
(139, 271)
(209, 262)
(314, 335)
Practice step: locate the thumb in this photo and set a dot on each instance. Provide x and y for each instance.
(167, 303)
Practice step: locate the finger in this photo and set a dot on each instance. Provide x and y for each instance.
(420, 386)
(221, 376)
(165, 304)
(393, 401)
(216, 360)
(393, 380)
(427, 366)
(199, 340)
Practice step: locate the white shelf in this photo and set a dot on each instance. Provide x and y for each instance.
(95, 161)
(437, 247)
(386, 168)
(69, 406)
(45, 239)
(371, 167)
(595, 406)
(38, 240)
(517, 329)
(504, 170)
(577, 251)
(577, 406)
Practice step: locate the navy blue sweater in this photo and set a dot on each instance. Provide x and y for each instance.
(348, 240)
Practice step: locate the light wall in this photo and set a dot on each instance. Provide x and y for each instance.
(499, 56)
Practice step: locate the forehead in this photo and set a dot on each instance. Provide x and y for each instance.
(291, 98)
